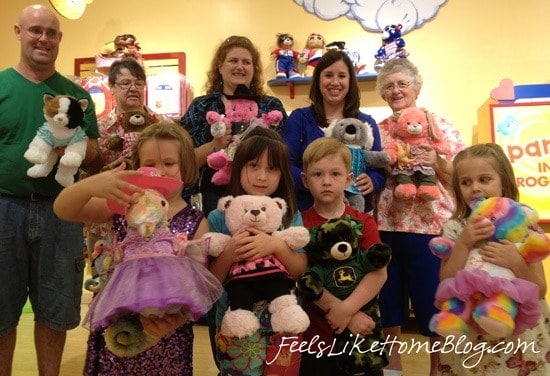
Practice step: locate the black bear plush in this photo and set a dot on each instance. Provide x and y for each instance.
(337, 263)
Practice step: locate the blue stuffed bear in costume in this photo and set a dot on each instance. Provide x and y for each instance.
(393, 46)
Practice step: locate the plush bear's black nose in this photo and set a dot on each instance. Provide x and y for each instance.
(255, 212)
(350, 129)
(342, 247)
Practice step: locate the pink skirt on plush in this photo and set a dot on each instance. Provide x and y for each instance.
(157, 282)
(468, 282)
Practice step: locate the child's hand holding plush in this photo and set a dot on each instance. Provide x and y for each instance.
(259, 216)
(486, 295)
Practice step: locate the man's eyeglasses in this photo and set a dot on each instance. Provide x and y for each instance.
(36, 32)
(125, 85)
(400, 85)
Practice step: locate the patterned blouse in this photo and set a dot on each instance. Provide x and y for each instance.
(417, 215)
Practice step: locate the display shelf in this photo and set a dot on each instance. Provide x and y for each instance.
(168, 91)
(291, 82)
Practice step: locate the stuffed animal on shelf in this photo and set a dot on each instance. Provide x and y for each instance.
(152, 273)
(354, 56)
(285, 57)
(393, 46)
(124, 45)
(414, 129)
(486, 297)
(337, 264)
(358, 137)
(63, 128)
(131, 46)
(314, 50)
(113, 48)
(250, 281)
(130, 125)
(241, 115)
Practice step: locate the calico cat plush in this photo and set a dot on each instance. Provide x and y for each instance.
(63, 128)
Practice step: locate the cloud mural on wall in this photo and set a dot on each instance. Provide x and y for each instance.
(373, 15)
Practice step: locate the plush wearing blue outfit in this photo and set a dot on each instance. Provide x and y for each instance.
(300, 130)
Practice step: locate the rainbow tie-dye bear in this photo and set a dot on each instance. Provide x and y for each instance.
(484, 296)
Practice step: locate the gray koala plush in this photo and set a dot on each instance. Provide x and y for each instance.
(358, 137)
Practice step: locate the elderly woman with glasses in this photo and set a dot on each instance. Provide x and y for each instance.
(407, 225)
(127, 81)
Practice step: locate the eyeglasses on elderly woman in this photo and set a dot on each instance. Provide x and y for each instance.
(400, 85)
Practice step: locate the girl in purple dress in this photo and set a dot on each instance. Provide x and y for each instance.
(165, 147)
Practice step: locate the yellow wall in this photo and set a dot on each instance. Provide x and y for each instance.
(463, 53)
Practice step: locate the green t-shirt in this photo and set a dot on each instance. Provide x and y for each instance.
(21, 114)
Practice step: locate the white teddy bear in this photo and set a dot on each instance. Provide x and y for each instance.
(266, 278)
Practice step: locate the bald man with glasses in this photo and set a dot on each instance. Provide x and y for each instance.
(41, 256)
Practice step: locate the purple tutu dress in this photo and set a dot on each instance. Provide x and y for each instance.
(488, 279)
(172, 355)
(153, 279)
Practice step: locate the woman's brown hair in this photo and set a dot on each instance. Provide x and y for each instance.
(129, 63)
(214, 78)
(352, 101)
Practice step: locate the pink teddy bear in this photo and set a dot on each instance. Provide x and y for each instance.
(414, 130)
(241, 115)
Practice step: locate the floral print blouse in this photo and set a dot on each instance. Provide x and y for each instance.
(417, 215)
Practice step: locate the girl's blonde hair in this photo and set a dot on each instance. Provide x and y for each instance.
(258, 141)
(496, 157)
(170, 131)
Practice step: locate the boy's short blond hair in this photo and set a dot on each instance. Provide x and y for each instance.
(325, 146)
